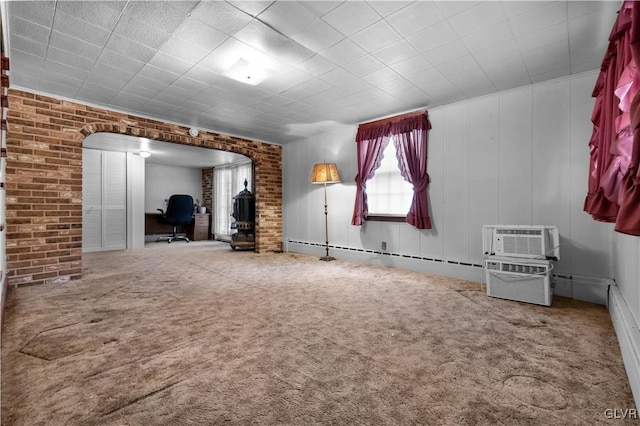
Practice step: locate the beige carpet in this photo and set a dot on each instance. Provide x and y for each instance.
(196, 334)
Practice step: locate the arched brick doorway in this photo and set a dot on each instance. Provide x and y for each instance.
(44, 181)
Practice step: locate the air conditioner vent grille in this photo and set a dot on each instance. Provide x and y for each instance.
(519, 231)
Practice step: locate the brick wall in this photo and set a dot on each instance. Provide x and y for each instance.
(44, 181)
(207, 189)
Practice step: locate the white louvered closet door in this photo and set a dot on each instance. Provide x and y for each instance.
(104, 200)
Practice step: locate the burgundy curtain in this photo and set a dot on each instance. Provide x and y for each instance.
(369, 153)
(411, 151)
(614, 141)
(628, 220)
(411, 144)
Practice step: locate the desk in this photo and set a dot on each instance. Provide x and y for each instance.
(197, 230)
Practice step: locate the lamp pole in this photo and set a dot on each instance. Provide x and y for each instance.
(326, 228)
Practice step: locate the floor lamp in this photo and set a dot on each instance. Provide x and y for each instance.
(325, 173)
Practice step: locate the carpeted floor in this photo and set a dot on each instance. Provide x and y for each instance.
(197, 334)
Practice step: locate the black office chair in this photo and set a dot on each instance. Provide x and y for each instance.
(179, 212)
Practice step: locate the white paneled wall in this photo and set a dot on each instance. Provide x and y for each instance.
(627, 271)
(517, 157)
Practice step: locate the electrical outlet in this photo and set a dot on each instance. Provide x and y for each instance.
(383, 246)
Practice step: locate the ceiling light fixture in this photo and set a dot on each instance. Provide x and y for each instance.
(145, 154)
(247, 72)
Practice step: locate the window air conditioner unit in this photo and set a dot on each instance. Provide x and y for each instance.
(523, 280)
(533, 242)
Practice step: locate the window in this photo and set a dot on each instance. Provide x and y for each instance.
(388, 194)
(228, 181)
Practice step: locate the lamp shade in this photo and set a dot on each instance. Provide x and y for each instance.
(325, 173)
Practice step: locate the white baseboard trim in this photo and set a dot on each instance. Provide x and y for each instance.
(449, 268)
(579, 287)
(628, 335)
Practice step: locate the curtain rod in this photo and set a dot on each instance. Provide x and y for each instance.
(394, 118)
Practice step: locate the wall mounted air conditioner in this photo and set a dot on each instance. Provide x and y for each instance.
(533, 242)
(523, 280)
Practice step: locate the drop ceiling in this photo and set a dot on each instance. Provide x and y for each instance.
(325, 64)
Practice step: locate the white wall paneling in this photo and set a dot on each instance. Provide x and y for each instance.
(163, 181)
(514, 180)
(517, 157)
(591, 251)
(551, 170)
(484, 165)
(456, 208)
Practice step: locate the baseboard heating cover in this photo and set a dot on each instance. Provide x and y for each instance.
(628, 335)
(579, 287)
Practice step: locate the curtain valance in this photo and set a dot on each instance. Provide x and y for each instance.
(418, 120)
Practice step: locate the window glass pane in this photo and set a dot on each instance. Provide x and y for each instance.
(387, 191)
(228, 181)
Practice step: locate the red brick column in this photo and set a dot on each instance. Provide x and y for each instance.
(44, 181)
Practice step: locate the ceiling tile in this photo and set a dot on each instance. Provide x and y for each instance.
(549, 75)
(252, 7)
(538, 39)
(288, 17)
(376, 36)
(41, 12)
(51, 66)
(446, 52)
(80, 29)
(600, 22)
(128, 101)
(487, 37)
(434, 36)
(320, 8)
(386, 8)
(511, 79)
(158, 74)
(482, 15)
(516, 8)
(411, 65)
(318, 36)
(28, 46)
(351, 17)
(395, 52)
(155, 14)
(465, 63)
(73, 45)
(103, 14)
(452, 8)
(396, 85)
(197, 32)
(425, 78)
(497, 53)
(70, 59)
(141, 32)
(222, 16)
(345, 80)
(416, 16)
(317, 65)
(549, 58)
(129, 48)
(261, 37)
(30, 30)
(381, 76)
(539, 18)
(344, 51)
(169, 63)
(121, 62)
(183, 50)
(364, 65)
